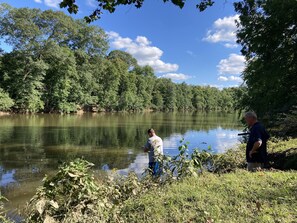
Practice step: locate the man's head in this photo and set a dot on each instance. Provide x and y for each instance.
(151, 132)
(250, 118)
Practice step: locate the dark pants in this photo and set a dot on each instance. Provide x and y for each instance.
(155, 168)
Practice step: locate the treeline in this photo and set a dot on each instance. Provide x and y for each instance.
(58, 64)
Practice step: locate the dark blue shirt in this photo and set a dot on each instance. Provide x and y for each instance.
(257, 133)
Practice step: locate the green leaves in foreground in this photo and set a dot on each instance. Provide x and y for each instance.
(73, 195)
(3, 218)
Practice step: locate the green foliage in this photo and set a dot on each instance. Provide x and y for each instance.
(5, 101)
(71, 195)
(22, 77)
(111, 5)
(3, 218)
(267, 33)
(184, 164)
(229, 161)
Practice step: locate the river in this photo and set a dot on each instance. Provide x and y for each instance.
(34, 145)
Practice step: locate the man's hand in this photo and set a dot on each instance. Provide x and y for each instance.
(145, 149)
(255, 148)
(251, 153)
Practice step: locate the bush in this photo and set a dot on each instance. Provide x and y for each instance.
(72, 195)
(229, 161)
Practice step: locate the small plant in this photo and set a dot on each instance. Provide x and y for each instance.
(184, 164)
(3, 218)
(72, 195)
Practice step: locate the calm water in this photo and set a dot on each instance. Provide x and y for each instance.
(34, 145)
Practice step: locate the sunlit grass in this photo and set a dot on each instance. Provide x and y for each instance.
(234, 197)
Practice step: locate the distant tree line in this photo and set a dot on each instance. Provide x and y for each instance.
(58, 64)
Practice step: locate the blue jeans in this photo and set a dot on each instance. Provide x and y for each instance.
(155, 168)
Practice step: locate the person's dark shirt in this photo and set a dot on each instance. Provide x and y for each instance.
(257, 133)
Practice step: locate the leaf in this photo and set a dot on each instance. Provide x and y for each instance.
(49, 219)
(72, 175)
(54, 204)
(40, 206)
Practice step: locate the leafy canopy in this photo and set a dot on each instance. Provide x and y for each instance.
(268, 35)
(111, 5)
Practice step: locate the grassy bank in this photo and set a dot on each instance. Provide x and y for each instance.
(282, 154)
(228, 194)
(233, 197)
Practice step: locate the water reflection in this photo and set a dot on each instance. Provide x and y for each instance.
(34, 145)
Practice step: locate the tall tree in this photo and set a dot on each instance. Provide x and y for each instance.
(22, 77)
(5, 101)
(268, 35)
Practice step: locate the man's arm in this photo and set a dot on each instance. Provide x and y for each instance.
(256, 146)
(146, 147)
(258, 143)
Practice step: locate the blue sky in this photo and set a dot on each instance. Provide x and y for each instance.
(184, 45)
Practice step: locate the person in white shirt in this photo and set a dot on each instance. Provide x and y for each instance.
(154, 147)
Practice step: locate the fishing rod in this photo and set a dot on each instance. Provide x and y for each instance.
(243, 133)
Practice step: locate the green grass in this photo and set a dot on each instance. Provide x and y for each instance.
(233, 197)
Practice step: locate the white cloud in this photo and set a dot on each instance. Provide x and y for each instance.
(234, 64)
(235, 78)
(223, 30)
(222, 78)
(92, 3)
(190, 53)
(143, 51)
(231, 45)
(38, 1)
(52, 3)
(230, 78)
(176, 76)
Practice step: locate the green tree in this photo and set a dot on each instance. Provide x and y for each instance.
(267, 33)
(145, 80)
(5, 101)
(127, 58)
(167, 89)
(109, 82)
(22, 77)
(60, 80)
(184, 97)
(198, 99)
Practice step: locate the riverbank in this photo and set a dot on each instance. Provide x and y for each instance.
(233, 195)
